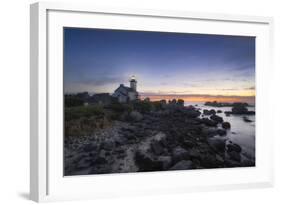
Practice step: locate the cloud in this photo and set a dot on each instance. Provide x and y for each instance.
(250, 88)
(102, 80)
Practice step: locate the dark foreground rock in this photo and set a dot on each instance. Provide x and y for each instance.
(217, 118)
(147, 163)
(175, 138)
(234, 147)
(182, 165)
(226, 125)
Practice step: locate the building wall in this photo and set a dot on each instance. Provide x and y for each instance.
(132, 95)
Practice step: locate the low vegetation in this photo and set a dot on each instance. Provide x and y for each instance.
(83, 119)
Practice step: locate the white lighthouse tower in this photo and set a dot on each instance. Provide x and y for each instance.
(133, 83)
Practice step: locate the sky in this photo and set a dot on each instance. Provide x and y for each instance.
(195, 67)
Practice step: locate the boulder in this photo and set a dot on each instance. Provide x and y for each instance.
(157, 147)
(147, 163)
(182, 165)
(136, 116)
(191, 113)
(233, 147)
(219, 111)
(234, 156)
(90, 147)
(217, 118)
(213, 112)
(217, 144)
(179, 154)
(108, 145)
(239, 108)
(221, 132)
(194, 154)
(246, 119)
(206, 112)
(227, 113)
(226, 125)
(188, 143)
(166, 161)
(209, 122)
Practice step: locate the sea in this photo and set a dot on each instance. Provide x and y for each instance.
(241, 132)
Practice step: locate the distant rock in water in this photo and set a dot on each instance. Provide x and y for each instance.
(240, 109)
(220, 104)
(246, 119)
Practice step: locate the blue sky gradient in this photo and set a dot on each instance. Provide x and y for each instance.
(98, 60)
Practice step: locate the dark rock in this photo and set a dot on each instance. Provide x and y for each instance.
(188, 143)
(234, 147)
(246, 119)
(221, 132)
(209, 160)
(194, 154)
(239, 108)
(209, 112)
(219, 158)
(182, 165)
(227, 113)
(232, 163)
(219, 111)
(157, 148)
(217, 118)
(100, 160)
(226, 125)
(121, 140)
(179, 154)
(166, 161)
(217, 144)
(213, 112)
(206, 112)
(234, 156)
(108, 145)
(192, 113)
(136, 116)
(209, 122)
(147, 163)
(90, 147)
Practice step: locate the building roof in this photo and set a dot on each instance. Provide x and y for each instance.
(128, 89)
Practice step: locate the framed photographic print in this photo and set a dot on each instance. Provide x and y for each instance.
(122, 99)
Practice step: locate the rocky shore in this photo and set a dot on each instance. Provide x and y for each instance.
(174, 138)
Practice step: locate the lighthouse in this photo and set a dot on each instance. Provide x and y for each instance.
(133, 83)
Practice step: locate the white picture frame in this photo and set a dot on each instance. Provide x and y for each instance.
(47, 182)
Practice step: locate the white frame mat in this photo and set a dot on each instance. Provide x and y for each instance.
(47, 182)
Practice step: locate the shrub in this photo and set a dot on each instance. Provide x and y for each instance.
(180, 102)
(72, 113)
(157, 105)
(142, 106)
(119, 107)
(71, 101)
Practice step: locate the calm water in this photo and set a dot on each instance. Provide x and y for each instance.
(242, 133)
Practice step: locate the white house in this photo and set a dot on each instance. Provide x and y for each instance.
(125, 94)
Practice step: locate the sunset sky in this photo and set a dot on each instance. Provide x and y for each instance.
(194, 67)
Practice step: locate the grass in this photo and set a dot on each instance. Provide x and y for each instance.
(72, 113)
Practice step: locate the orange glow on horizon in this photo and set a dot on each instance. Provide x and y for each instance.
(229, 99)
